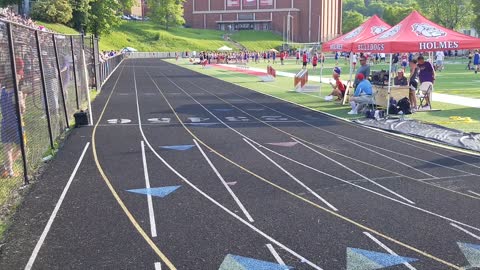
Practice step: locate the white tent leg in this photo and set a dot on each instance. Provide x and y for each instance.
(389, 84)
(321, 73)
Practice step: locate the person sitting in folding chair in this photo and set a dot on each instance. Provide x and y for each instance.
(427, 76)
(362, 96)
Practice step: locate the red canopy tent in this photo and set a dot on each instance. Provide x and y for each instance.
(369, 28)
(416, 34)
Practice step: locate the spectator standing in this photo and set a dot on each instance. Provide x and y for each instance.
(354, 60)
(9, 132)
(305, 60)
(427, 74)
(476, 61)
(315, 61)
(413, 83)
(439, 62)
(282, 56)
(298, 57)
(363, 69)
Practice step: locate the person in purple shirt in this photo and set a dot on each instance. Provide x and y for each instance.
(427, 74)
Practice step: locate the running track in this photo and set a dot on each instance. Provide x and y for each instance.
(236, 172)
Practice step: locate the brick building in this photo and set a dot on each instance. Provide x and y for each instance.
(299, 20)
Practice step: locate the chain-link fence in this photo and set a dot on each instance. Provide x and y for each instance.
(44, 81)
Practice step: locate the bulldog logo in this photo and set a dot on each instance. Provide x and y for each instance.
(390, 33)
(354, 33)
(428, 31)
(378, 29)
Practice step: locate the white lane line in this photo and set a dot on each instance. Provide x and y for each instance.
(228, 211)
(151, 214)
(411, 157)
(444, 155)
(443, 177)
(350, 140)
(390, 158)
(235, 198)
(55, 211)
(275, 254)
(387, 249)
(292, 176)
(158, 266)
(465, 231)
(474, 193)
(355, 172)
(309, 167)
(366, 189)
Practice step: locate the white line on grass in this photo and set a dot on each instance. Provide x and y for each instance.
(235, 198)
(409, 266)
(275, 254)
(292, 176)
(151, 214)
(55, 211)
(465, 231)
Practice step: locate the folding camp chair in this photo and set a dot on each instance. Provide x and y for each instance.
(425, 90)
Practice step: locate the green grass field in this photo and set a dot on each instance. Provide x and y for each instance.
(59, 28)
(282, 88)
(258, 41)
(453, 80)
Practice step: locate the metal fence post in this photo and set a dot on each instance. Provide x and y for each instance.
(44, 89)
(74, 72)
(60, 78)
(13, 65)
(96, 52)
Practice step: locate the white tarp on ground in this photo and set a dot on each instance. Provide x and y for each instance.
(431, 132)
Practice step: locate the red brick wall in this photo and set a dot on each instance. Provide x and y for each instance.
(300, 21)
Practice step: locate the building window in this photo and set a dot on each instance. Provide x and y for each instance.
(245, 16)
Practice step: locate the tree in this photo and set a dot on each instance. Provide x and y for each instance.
(449, 13)
(54, 11)
(80, 8)
(377, 8)
(103, 16)
(351, 20)
(395, 14)
(476, 19)
(166, 12)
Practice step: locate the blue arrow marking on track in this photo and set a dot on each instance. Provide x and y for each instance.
(178, 147)
(471, 252)
(235, 262)
(157, 192)
(372, 260)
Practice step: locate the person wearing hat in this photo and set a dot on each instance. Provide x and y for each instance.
(338, 88)
(362, 95)
(400, 79)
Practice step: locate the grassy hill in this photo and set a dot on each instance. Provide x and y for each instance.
(147, 36)
(257, 41)
(59, 28)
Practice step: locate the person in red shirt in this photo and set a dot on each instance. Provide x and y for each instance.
(338, 87)
(305, 60)
(298, 57)
(315, 62)
(282, 56)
